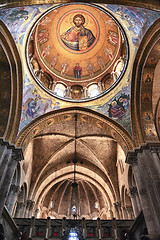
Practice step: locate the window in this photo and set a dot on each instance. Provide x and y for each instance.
(60, 90)
(73, 235)
(93, 90)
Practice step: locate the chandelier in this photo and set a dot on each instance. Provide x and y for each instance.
(75, 211)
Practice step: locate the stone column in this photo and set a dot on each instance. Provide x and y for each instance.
(29, 208)
(53, 86)
(100, 87)
(139, 179)
(64, 226)
(154, 165)
(155, 152)
(15, 158)
(118, 211)
(12, 197)
(3, 150)
(99, 231)
(115, 230)
(20, 210)
(125, 215)
(5, 159)
(31, 228)
(84, 228)
(48, 223)
(36, 213)
(148, 164)
(85, 92)
(129, 211)
(138, 202)
(111, 213)
(132, 194)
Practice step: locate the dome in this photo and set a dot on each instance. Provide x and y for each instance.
(82, 57)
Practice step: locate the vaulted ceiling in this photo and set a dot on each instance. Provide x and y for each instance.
(51, 155)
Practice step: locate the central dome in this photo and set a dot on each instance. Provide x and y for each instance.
(77, 51)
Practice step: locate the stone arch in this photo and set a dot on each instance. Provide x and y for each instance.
(141, 108)
(117, 132)
(8, 45)
(99, 183)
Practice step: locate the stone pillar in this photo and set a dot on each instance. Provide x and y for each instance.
(118, 211)
(103, 86)
(138, 203)
(85, 92)
(84, 228)
(115, 230)
(29, 208)
(148, 162)
(129, 211)
(154, 166)
(111, 213)
(99, 231)
(63, 226)
(15, 158)
(48, 223)
(132, 194)
(140, 183)
(5, 159)
(31, 228)
(155, 152)
(36, 213)
(100, 87)
(20, 210)
(53, 86)
(125, 215)
(12, 197)
(3, 150)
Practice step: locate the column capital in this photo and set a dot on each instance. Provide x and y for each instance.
(30, 204)
(129, 209)
(131, 158)
(117, 204)
(154, 149)
(15, 189)
(17, 155)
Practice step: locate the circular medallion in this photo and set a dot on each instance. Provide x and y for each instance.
(77, 52)
(78, 31)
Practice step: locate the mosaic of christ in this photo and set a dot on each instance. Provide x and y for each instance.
(78, 37)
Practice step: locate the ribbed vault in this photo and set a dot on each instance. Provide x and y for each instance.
(49, 160)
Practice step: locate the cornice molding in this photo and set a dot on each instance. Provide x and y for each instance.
(154, 5)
